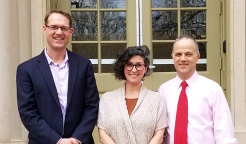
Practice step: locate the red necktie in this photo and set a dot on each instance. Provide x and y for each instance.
(180, 132)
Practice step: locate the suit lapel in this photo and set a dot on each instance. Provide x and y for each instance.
(46, 72)
(73, 62)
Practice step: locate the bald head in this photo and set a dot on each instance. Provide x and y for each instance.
(187, 37)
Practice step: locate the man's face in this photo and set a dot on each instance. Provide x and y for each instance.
(185, 57)
(57, 39)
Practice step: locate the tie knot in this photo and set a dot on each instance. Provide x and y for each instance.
(184, 84)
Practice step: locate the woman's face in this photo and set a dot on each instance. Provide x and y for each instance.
(135, 69)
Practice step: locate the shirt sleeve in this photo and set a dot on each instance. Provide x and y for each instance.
(223, 125)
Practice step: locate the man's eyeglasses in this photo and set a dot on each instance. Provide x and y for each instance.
(54, 27)
(138, 66)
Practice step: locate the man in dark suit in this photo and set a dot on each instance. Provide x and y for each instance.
(56, 91)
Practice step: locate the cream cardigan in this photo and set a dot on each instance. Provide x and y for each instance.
(148, 116)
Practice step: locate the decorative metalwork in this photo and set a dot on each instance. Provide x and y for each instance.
(164, 3)
(85, 26)
(164, 25)
(83, 4)
(193, 3)
(113, 26)
(112, 4)
(193, 23)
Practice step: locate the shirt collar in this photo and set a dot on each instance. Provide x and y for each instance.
(50, 60)
(191, 81)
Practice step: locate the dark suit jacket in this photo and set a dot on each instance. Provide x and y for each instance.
(39, 106)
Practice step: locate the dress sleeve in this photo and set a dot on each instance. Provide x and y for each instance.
(162, 114)
(101, 114)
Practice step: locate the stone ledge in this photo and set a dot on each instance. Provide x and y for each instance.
(15, 141)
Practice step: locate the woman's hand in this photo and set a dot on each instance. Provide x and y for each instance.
(104, 137)
(158, 137)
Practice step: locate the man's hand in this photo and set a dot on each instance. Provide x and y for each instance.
(65, 141)
(74, 141)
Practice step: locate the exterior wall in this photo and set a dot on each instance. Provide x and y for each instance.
(237, 65)
(25, 50)
(21, 38)
(10, 126)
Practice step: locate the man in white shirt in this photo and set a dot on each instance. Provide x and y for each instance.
(209, 117)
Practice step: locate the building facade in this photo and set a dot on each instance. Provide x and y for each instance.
(22, 38)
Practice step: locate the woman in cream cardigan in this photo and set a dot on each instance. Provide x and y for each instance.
(132, 114)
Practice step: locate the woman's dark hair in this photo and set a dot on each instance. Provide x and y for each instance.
(124, 56)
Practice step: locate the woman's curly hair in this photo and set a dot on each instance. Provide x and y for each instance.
(124, 56)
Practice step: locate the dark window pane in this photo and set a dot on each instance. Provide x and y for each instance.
(164, 3)
(95, 68)
(171, 68)
(193, 3)
(162, 51)
(113, 3)
(107, 68)
(113, 26)
(89, 51)
(163, 62)
(193, 23)
(201, 67)
(83, 4)
(85, 26)
(109, 52)
(202, 50)
(164, 68)
(164, 25)
(203, 55)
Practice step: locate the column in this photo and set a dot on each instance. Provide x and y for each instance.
(19, 33)
(237, 64)
(9, 47)
(25, 53)
(38, 11)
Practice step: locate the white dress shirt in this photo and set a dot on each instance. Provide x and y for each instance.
(209, 117)
(60, 76)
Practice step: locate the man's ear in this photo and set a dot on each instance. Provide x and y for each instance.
(71, 31)
(198, 56)
(44, 28)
